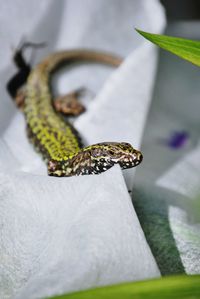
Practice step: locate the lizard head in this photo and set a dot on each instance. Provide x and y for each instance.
(105, 155)
(96, 159)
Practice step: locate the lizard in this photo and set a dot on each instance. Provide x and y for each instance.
(57, 139)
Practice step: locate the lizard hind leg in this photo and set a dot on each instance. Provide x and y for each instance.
(20, 97)
(69, 104)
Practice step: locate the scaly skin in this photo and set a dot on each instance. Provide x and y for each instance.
(55, 138)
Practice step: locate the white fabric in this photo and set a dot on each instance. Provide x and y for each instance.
(60, 235)
(58, 242)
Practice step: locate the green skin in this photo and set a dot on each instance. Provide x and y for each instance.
(56, 139)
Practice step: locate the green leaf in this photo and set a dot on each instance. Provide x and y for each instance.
(172, 287)
(184, 48)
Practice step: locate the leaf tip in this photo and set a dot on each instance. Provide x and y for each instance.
(138, 30)
(143, 33)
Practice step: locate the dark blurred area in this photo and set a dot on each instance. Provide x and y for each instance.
(182, 9)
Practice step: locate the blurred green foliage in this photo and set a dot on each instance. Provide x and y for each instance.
(171, 287)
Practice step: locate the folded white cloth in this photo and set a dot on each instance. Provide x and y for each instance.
(60, 235)
(52, 242)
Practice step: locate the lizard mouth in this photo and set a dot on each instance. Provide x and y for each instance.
(139, 157)
(131, 160)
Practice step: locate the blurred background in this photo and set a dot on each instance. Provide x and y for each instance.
(182, 9)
